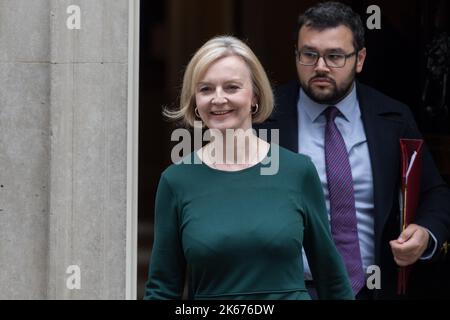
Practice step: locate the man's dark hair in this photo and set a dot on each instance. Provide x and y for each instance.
(331, 15)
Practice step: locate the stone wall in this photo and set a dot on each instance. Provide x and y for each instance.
(63, 148)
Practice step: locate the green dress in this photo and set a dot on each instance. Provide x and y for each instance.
(241, 233)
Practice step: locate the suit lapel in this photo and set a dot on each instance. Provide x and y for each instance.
(383, 134)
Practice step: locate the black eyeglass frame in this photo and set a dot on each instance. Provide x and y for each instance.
(324, 56)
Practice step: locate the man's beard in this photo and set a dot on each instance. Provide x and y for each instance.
(336, 93)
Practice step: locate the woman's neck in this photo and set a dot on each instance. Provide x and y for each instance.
(235, 149)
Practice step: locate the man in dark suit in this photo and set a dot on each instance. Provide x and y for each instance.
(352, 132)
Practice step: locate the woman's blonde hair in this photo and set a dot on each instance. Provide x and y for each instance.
(217, 48)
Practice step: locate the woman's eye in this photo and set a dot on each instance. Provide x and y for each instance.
(233, 88)
(204, 89)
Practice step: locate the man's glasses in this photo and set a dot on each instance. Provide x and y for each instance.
(332, 60)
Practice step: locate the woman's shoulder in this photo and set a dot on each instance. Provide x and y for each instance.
(293, 158)
(182, 168)
(292, 164)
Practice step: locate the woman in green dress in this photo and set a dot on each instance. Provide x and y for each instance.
(239, 231)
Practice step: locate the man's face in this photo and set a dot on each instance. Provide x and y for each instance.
(323, 84)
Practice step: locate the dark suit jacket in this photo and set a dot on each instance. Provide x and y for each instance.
(385, 121)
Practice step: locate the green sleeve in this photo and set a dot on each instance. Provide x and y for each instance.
(167, 263)
(327, 267)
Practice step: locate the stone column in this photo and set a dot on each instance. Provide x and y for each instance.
(24, 147)
(63, 149)
(88, 183)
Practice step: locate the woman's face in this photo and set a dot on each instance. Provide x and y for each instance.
(224, 95)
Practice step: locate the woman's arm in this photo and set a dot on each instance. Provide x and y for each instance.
(326, 265)
(167, 263)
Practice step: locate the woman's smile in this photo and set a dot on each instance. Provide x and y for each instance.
(221, 112)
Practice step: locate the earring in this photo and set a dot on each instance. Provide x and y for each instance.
(256, 106)
(196, 113)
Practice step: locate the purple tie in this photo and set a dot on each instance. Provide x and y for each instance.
(342, 201)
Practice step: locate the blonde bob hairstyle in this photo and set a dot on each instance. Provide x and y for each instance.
(213, 50)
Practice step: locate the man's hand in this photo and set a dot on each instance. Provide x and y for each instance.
(410, 245)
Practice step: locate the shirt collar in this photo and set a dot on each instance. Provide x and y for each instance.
(348, 106)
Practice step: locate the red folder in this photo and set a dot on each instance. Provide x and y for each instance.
(411, 171)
